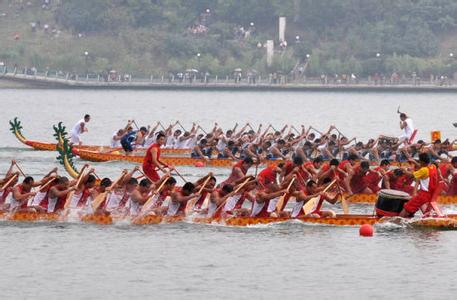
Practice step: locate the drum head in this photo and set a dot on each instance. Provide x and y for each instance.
(394, 194)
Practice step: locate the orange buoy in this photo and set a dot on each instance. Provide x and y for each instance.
(199, 164)
(366, 230)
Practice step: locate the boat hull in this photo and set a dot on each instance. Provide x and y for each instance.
(444, 223)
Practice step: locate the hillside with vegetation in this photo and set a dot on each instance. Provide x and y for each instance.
(144, 37)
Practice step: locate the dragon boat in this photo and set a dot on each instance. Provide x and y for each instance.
(448, 222)
(66, 157)
(16, 128)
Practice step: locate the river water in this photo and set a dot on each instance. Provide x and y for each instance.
(291, 260)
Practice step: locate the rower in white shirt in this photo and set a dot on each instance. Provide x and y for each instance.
(78, 129)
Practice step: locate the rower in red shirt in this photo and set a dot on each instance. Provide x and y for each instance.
(399, 180)
(363, 180)
(269, 175)
(207, 190)
(262, 201)
(239, 171)
(453, 180)
(151, 161)
(427, 177)
(179, 199)
(311, 191)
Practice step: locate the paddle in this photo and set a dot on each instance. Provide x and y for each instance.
(298, 132)
(20, 170)
(202, 129)
(70, 194)
(218, 210)
(46, 184)
(311, 127)
(8, 182)
(178, 174)
(344, 203)
(311, 203)
(280, 204)
(190, 204)
(101, 197)
(147, 204)
(182, 127)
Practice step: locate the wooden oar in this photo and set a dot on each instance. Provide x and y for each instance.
(298, 132)
(136, 125)
(279, 205)
(146, 205)
(202, 129)
(344, 203)
(8, 182)
(182, 127)
(221, 206)
(20, 170)
(190, 204)
(317, 130)
(184, 179)
(311, 203)
(70, 194)
(204, 184)
(161, 126)
(46, 184)
(101, 197)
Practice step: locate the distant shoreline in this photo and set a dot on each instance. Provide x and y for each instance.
(20, 81)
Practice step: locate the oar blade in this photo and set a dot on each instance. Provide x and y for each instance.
(280, 203)
(310, 205)
(344, 205)
(68, 201)
(98, 201)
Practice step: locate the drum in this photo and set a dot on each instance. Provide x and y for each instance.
(390, 202)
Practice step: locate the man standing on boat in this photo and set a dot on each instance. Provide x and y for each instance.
(407, 126)
(151, 161)
(79, 129)
(427, 179)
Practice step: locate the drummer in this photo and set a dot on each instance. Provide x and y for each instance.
(427, 179)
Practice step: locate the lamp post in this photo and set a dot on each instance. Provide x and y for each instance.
(86, 58)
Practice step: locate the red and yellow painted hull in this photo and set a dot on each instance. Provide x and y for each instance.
(175, 161)
(449, 222)
(99, 149)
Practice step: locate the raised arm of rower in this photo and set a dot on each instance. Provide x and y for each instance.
(242, 130)
(234, 128)
(284, 129)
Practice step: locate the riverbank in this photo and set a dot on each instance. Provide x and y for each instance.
(11, 80)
